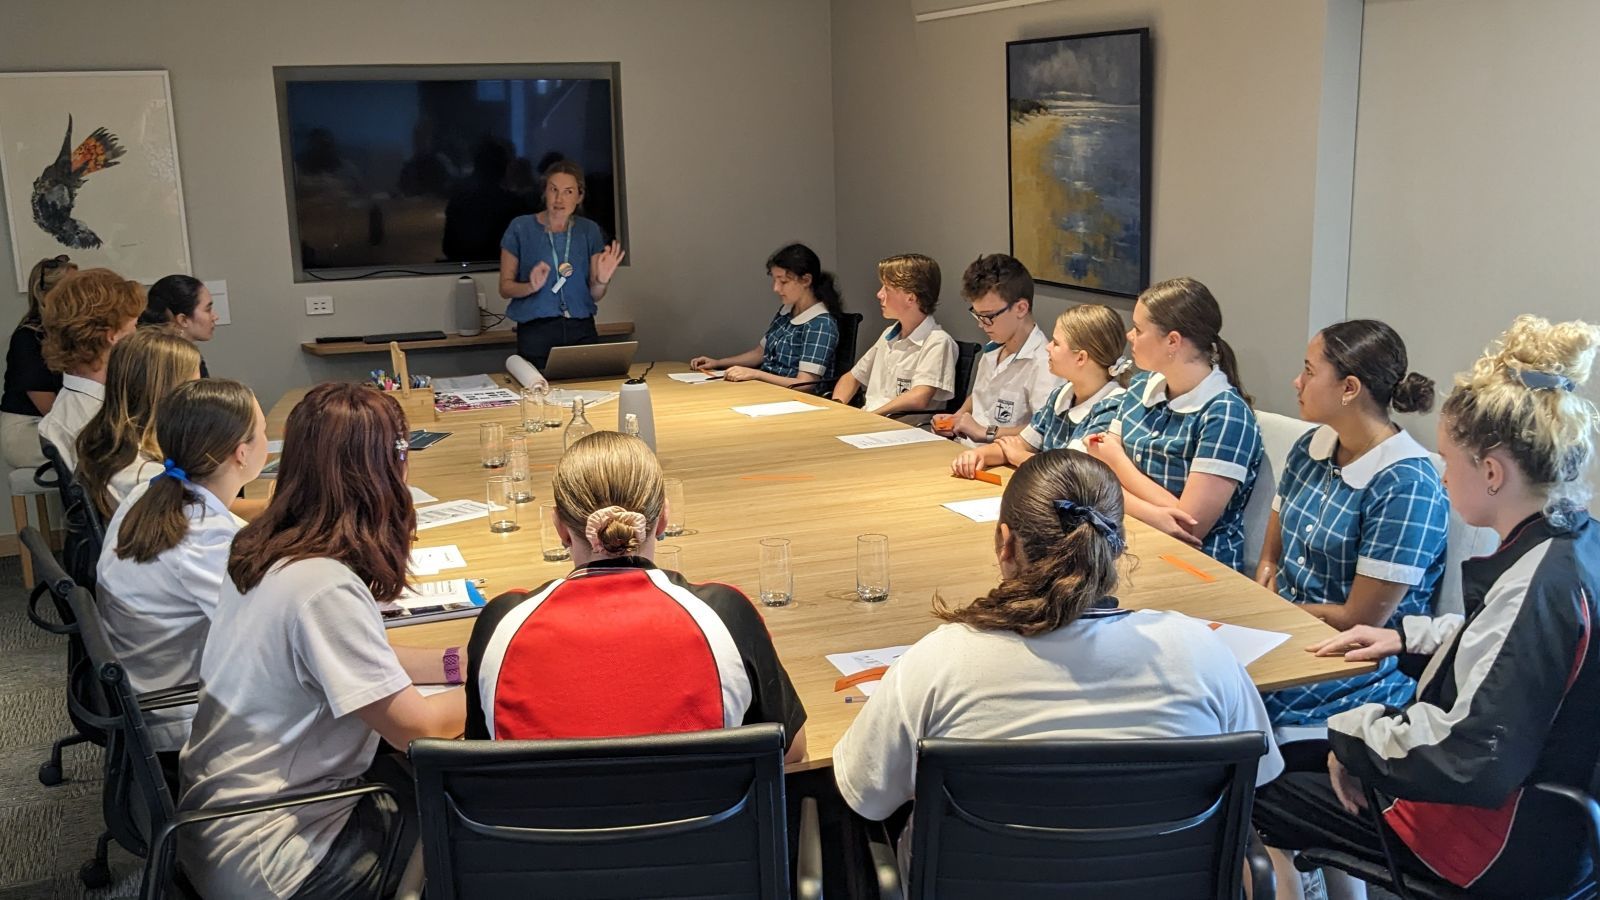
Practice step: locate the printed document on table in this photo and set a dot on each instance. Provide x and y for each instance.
(1247, 644)
(781, 408)
(984, 509)
(418, 495)
(564, 397)
(697, 377)
(862, 660)
(891, 438)
(451, 513)
(433, 560)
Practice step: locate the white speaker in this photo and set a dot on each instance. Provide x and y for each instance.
(468, 322)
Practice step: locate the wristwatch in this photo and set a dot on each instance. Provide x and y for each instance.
(993, 430)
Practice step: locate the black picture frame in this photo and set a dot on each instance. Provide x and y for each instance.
(1078, 237)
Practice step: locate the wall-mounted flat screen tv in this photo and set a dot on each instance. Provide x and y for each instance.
(417, 170)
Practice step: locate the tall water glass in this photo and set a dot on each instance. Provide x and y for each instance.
(548, 536)
(532, 409)
(492, 445)
(677, 513)
(777, 576)
(502, 508)
(872, 567)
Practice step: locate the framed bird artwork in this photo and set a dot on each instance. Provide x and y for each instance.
(90, 167)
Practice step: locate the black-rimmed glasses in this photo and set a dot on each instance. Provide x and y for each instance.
(988, 318)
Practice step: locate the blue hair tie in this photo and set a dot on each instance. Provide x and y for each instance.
(1073, 514)
(1545, 381)
(170, 470)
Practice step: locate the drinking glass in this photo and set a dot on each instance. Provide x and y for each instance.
(520, 473)
(548, 536)
(872, 567)
(492, 445)
(552, 412)
(777, 576)
(669, 557)
(532, 410)
(502, 508)
(677, 513)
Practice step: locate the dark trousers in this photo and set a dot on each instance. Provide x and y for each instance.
(535, 337)
(369, 855)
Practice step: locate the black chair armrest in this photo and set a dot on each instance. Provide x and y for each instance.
(1590, 807)
(818, 388)
(1263, 883)
(41, 591)
(161, 849)
(808, 865)
(914, 412)
(170, 698)
(884, 863)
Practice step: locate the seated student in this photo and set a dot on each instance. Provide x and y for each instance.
(184, 304)
(1185, 443)
(1509, 695)
(117, 448)
(1086, 350)
(84, 316)
(298, 681)
(619, 647)
(799, 345)
(913, 366)
(1048, 653)
(30, 386)
(1358, 526)
(1013, 374)
(166, 549)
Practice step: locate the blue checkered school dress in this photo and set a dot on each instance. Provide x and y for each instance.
(1053, 427)
(1212, 431)
(1384, 516)
(787, 346)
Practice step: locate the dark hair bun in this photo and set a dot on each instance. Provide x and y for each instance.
(1413, 394)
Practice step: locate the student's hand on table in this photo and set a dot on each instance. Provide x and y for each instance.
(607, 260)
(966, 426)
(1016, 450)
(1174, 522)
(538, 275)
(966, 465)
(1267, 575)
(1363, 643)
(742, 373)
(701, 363)
(1346, 787)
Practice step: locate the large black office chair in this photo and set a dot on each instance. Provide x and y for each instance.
(86, 705)
(86, 533)
(967, 354)
(696, 814)
(1410, 886)
(1094, 819)
(844, 355)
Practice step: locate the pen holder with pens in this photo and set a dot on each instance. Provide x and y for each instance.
(415, 395)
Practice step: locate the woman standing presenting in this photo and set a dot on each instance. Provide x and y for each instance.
(554, 267)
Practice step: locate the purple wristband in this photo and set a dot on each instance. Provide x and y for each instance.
(452, 666)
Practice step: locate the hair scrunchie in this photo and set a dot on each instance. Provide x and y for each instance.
(169, 469)
(1120, 366)
(600, 518)
(1545, 381)
(1073, 514)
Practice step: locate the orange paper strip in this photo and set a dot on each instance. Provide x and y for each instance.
(1187, 568)
(981, 475)
(865, 675)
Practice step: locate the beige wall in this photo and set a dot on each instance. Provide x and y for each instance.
(1476, 197)
(728, 130)
(919, 113)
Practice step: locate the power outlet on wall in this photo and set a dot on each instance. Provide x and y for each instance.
(319, 306)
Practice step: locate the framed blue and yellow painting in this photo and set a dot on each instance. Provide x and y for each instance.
(1078, 136)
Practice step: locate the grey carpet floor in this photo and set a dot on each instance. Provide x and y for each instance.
(46, 833)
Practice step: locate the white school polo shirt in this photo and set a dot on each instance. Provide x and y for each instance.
(158, 613)
(1007, 392)
(896, 363)
(79, 399)
(1110, 674)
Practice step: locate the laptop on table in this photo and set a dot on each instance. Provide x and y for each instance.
(590, 360)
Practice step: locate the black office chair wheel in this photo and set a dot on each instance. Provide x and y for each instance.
(95, 874)
(49, 774)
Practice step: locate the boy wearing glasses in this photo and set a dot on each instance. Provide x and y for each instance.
(912, 366)
(1013, 378)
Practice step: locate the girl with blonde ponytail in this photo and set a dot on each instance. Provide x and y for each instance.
(1048, 653)
(166, 549)
(1507, 695)
(619, 647)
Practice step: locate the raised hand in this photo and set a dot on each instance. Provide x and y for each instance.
(538, 275)
(606, 262)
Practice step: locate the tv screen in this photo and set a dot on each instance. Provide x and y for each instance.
(419, 169)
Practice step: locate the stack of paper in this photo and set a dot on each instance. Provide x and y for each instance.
(984, 509)
(891, 438)
(485, 398)
(433, 601)
(564, 397)
(433, 560)
(781, 408)
(697, 377)
(862, 660)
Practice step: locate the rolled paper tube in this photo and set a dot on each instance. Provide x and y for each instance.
(525, 372)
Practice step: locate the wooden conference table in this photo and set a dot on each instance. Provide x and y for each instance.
(789, 476)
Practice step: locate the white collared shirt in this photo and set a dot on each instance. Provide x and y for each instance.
(157, 614)
(896, 363)
(135, 473)
(80, 398)
(1007, 392)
